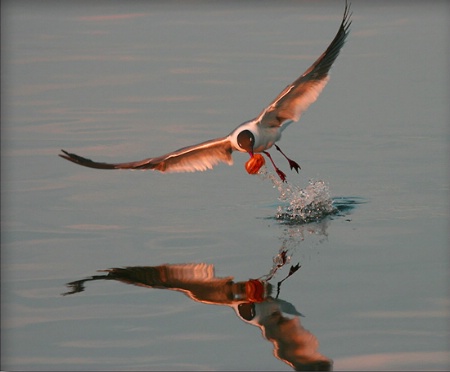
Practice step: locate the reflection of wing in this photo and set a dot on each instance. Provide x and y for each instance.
(197, 281)
(298, 347)
(292, 343)
(188, 159)
(164, 276)
(296, 97)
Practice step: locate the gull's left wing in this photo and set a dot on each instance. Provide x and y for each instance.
(296, 97)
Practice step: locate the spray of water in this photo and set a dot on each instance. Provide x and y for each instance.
(301, 205)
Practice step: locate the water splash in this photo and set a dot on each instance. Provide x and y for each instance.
(301, 205)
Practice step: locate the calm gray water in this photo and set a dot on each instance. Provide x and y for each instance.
(120, 81)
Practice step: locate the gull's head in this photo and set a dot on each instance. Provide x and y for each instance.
(246, 141)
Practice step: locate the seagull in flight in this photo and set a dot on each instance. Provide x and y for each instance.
(253, 136)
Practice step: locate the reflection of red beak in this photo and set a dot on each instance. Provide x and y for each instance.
(255, 290)
(251, 154)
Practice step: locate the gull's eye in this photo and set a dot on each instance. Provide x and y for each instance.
(245, 140)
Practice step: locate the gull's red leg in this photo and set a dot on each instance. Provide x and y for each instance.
(281, 174)
(293, 164)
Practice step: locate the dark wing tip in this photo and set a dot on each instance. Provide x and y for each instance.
(321, 67)
(69, 156)
(346, 21)
(74, 158)
(66, 155)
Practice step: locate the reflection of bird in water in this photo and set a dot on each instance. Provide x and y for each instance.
(252, 301)
(253, 136)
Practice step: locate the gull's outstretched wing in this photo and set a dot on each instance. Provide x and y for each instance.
(296, 97)
(194, 158)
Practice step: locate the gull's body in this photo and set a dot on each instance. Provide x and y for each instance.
(254, 136)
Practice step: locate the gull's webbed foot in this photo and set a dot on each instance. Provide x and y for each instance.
(293, 164)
